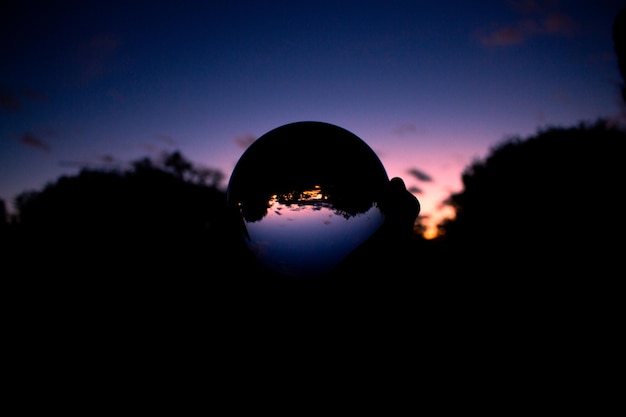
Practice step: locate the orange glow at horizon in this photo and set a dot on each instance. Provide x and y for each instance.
(445, 173)
(430, 220)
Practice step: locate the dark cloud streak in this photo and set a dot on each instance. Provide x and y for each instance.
(405, 129)
(11, 100)
(245, 140)
(32, 141)
(538, 20)
(167, 139)
(415, 190)
(420, 175)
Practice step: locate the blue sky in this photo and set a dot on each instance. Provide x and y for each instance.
(428, 85)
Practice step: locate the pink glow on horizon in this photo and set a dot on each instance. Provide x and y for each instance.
(444, 167)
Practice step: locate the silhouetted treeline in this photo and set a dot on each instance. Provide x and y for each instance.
(547, 205)
(147, 204)
(155, 221)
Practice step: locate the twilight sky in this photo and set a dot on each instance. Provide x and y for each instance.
(429, 85)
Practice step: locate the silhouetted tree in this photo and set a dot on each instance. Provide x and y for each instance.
(548, 204)
(3, 214)
(149, 219)
(177, 163)
(180, 166)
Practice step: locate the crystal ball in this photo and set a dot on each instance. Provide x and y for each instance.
(305, 196)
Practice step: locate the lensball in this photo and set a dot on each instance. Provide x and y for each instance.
(306, 195)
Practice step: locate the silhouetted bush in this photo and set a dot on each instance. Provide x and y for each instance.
(150, 219)
(548, 203)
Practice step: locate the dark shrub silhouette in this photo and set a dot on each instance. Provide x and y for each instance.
(548, 204)
(3, 214)
(154, 220)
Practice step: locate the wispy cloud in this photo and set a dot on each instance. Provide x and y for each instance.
(107, 158)
(420, 175)
(167, 139)
(558, 24)
(405, 129)
(505, 36)
(11, 100)
(415, 190)
(148, 147)
(244, 140)
(32, 141)
(536, 19)
(162, 144)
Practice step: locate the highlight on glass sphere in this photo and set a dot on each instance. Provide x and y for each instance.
(306, 195)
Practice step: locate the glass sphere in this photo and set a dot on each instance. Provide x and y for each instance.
(306, 195)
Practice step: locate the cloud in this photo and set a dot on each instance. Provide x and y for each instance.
(405, 129)
(538, 21)
(558, 24)
(420, 175)
(505, 36)
(415, 190)
(96, 162)
(167, 139)
(148, 147)
(9, 101)
(107, 158)
(244, 140)
(30, 140)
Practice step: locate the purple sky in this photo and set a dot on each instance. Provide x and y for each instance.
(428, 85)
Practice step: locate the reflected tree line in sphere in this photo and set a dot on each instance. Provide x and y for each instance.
(292, 163)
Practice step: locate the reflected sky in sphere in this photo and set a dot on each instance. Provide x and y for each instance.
(306, 195)
(307, 241)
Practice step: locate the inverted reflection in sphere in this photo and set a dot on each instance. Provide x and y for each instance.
(306, 194)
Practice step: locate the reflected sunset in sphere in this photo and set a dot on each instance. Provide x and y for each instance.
(306, 195)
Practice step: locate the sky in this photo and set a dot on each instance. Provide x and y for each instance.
(430, 86)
